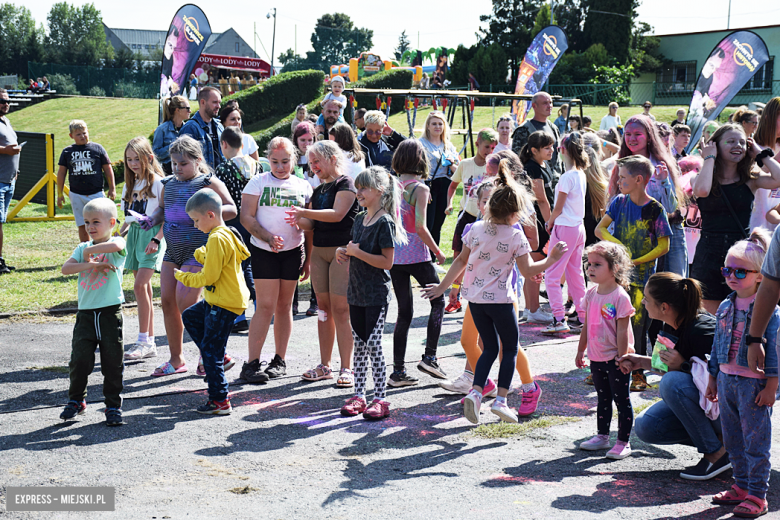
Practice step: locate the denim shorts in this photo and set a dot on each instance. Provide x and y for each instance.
(6, 194)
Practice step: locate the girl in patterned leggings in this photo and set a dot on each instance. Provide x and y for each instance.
(370, 255)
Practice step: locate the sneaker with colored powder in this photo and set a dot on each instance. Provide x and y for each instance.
(377, 410)
(471, 406)
(595, 443)
(216, 407)
(461, 385)
(489, 390)
(354, 406)
(530, 401)
(557, 327)
(619, 451)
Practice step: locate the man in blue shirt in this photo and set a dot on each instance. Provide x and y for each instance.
(9, 168)
(205, 127)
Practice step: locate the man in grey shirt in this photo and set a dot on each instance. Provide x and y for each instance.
(9, 168)
(542, 104)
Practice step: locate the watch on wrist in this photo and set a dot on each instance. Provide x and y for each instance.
(749, 340)
(155, 240)
(685, 366)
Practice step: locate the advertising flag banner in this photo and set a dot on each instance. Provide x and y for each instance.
(186, 39)
(539, 61)
(730, 65)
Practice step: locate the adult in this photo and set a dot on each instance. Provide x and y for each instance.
(542, 105)
(425, 82)
(204, 126)
(176, 110)
(725, 189)
(9, 168)
(646, 110)
(504, 128)
(473, 83)
(232, 115)
(330, 215)
(748, 119)
(359, 122)
(379, 140)
(575, 123)
(280, 255)
(193, 87)
(301, 113)
(443, 161)
(680, 118)
(345, 138)
(331, 113)
(562, 122)
(611, 120)
(767, 135)
(678, 418)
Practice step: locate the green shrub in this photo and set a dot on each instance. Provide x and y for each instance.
(129, 89)
(63, 84)
(282, 128)
(119, 172)
(96, 91)
(393, 78)
(278, 95)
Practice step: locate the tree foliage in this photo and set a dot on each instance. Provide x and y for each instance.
(489, 64)
(403, 45)
(20, 40)
(335, 40)
(76, 36)
(609, 22)
(578, 67)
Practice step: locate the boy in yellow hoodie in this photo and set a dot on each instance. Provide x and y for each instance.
(210, 321)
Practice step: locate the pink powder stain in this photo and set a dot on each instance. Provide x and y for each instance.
(424, 433)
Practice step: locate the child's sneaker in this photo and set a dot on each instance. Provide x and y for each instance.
(401, 378)
(471, 406)
(461, 385)
(556, 327)
(619, 451)
(489, 390)
(378, 409)
(355, 405)
(72, 409)
(216, 407)
(504, 412)
(140, 351)
(530, 401)
(277, 367)
(430, 366)
(452, 307)
(598, 442)
(228, 363)
(114, 417)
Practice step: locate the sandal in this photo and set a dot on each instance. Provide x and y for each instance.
(730, 497)
(346, 378)
(166, 369)
(751, 507)
(318, 373)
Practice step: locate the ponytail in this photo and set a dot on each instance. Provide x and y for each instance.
(378, 178)
(575, 150)
(681, 294)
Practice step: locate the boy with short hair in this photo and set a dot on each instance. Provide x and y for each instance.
(210, 321)
(642, 226)
(87, 163)
(99, 263)
(682, 136)
(471, 172)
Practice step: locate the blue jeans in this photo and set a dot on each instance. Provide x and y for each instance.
(676, 260)
(496, 321)
(747, 431)
(209, 327)
(678, 418)
(6, 194)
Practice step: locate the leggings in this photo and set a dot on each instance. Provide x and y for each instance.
(494, 321)
(612, 386)
(435, 215)
(469, 340)
(367, 326)
(401, 275)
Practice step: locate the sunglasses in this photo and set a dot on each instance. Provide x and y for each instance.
(4, 101)
(373, 132)
(739, 273)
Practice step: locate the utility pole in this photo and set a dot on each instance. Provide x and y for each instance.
(728, 20)
(273, 42)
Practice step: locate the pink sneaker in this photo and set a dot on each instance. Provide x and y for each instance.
(530, 401)
(377, 410)
(489, 390)
(619, 451)
(353, 406)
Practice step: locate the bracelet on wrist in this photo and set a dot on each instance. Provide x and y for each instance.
(456, 286)
(709, 157)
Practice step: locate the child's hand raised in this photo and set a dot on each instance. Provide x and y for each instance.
(662, 171)
(579, 360)
(753, 147)
(710, 148)
(558, 251)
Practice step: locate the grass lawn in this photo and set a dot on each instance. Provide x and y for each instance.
(111, 122)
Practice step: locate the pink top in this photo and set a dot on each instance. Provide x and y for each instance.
(414, 251)
(601, 314)
(494, 249)
(741, 306)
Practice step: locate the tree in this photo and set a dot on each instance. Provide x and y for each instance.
(335, 40)
(609, 22)
(288, 56)
(76, 36)
(542, 19)
(570, 17)
(487, 63)
(123, 59)
(20, 40)
(403, 45)
(578, 67)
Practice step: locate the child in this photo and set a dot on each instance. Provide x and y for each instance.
(303, 138)
(210, 321)
(410, 163)
(370, 256)
(301, 113)
(566, 225)
(745, 394)
(190, 174)
(99, 263)
(607, 335)
(490, 249)
(86, 163)
(641, 225)
(336, 88)
(236, 171)
(143, 175)
(470, 172)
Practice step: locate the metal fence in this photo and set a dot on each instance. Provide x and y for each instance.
(9, 82)
(98, 81)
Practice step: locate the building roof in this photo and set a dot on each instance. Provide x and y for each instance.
(720, 30)
(145, 40)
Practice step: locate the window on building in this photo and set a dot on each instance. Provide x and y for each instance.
(677, 76)
(236, 46)
(762, 79)
(133, 45)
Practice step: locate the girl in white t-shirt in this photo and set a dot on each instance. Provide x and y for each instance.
(490, 249)
(140, 197)
(566, 225)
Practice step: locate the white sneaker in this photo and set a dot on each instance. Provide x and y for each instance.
(557, 327)
(461, 385)
(471, 405)
(619, 451)
(539, 316)
(439, 269)
(523, 318)
(598, 442)
(504, 412)
(140, 351)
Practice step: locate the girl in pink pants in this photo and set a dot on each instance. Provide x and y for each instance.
(565, 225)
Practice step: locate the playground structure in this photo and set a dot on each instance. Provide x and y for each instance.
(368, 64)
(449, 100)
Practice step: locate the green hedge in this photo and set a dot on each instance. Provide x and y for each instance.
(393, 78)
(282, 128)
(278, 95)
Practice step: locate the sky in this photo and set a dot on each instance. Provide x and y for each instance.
(432, 24)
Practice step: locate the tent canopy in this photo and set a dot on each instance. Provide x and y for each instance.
(256, 65)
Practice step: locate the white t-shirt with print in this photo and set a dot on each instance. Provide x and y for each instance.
(138, 202)
(574, 184)
(274, 197)
(471, 176)
(248, 145)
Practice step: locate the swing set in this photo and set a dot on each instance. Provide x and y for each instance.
(449, 100)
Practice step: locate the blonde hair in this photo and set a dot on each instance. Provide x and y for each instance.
(172, 104)
(190, 148)
(596, 176)
(150, 169)
(286, 145)
(752, 249)
(445, 135)
(102, 206)
(618, 260)
(327, 150)
(375, 117)
(378, 178)
(76, 124)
